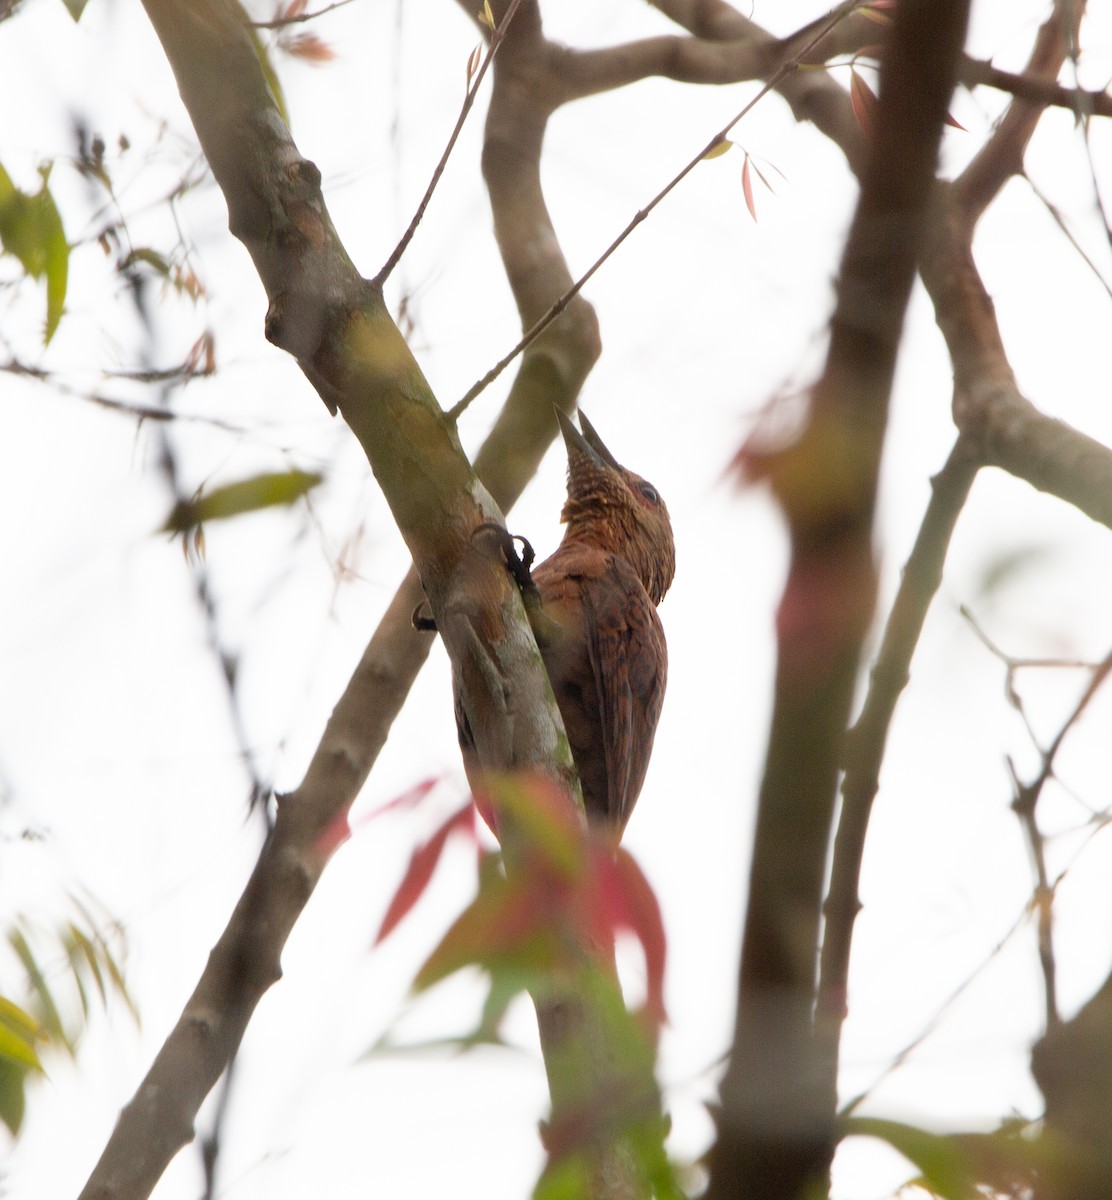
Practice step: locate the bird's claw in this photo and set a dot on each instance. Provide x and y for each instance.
(424, 624)
(519, 565)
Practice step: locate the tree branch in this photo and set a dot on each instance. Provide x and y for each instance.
(333, 321)
(866, 742)
(776, 1131)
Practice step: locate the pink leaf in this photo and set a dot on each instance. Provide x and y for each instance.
(420, 869)
(747, 188)
(863, 102)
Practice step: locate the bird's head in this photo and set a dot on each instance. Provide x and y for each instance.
(611, 507)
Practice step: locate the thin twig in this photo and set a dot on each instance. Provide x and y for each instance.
(1025, 802)
(299, 18)
(1060, 221)
(496, 39)
(935, 1021)
(836, 15)
(867, 740)
(126, 408)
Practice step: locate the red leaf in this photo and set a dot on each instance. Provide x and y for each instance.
(952, 120)
(509, 920)
(863, 102)
(420, 869)
(544, 817)
(333, 835)
(747, 188)
(410, 798)
(629, 903)
(309, 47)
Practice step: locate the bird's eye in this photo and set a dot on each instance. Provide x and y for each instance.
(649, 492)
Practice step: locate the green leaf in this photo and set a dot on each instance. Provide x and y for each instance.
(13, 1100)
(154, 260)
(31, 230)
(270, 490)
(75, 8)
(718, 149)
(945, 1166)
(51, 1018)
(18, 1032)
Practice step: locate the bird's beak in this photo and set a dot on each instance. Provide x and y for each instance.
(588, 442)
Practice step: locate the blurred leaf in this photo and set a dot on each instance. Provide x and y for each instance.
(270, 490)
(143, 254)
(309, 47)
(49, 1017)
(13, 1099)
(629, 902)
(422, 864)
(1006, 1161)
(18, 1034)
(486, 17)
(31, 230)
(874, 13)
(75, 8)
(544, 821)
(1001, 570)
(410, 798)
(507, 927)
(863, 101)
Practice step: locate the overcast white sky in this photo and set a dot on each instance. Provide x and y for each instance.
(114, 737)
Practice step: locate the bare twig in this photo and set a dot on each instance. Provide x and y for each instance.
(866, 742)
(496, 38)
(1035, 88)
(301, 18)
(837, 14)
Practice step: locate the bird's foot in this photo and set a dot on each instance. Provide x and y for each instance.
(424, 624)
(519, 565)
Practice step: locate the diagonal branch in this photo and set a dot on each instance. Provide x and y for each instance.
(334, 322)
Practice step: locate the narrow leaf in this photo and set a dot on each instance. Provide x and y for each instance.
(747, 188)
(143, 254)
(410, 798)
(863, 101)
(473, 61)
(270, 490)
(422, 864)
(18, 1031)
(643, 918)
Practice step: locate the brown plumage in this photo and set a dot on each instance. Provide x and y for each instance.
(601, 639)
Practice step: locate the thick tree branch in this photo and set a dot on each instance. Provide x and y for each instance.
(776, 1131)
(1000, 426)
(324, 313)
(984, 390)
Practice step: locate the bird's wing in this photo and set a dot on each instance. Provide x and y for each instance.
(629, 659)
